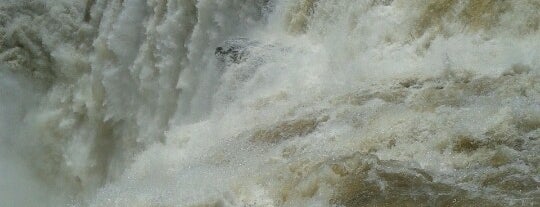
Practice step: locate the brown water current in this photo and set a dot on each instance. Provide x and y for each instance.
(269, 103)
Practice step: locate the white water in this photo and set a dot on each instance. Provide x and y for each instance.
(331, 102)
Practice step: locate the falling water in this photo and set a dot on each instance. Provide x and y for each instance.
(270, 103)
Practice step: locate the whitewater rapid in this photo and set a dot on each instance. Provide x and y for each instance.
(269, 103)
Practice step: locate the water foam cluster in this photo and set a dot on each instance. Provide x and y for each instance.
(273, 103)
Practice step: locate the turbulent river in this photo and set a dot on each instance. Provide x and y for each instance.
(215, 103)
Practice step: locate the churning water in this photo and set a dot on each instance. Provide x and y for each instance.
(269, 103)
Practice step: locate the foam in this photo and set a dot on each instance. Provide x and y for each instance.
(335, 102)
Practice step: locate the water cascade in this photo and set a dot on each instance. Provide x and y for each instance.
(269, 103)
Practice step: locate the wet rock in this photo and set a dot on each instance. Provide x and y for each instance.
(235, 50)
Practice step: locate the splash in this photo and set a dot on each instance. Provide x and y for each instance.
(270, 102)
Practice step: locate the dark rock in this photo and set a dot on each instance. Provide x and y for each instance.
(234, 50)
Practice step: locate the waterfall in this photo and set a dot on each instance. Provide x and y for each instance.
(269, 103)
